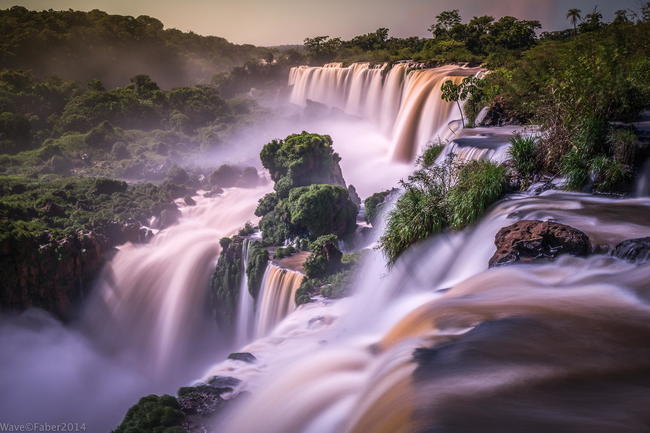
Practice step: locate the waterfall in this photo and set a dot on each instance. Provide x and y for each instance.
(151, 298)
(404, 101)
(277, 297)
(348, 366)
(246, 308)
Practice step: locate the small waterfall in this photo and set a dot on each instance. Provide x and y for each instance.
(151, 298)
(277, 297)
(347, 366)
(406, 104)
(246, 308)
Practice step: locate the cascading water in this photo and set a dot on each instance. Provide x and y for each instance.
(406, 104)
(152, 297)
(347, 366)
(246, 308)
(277, 297)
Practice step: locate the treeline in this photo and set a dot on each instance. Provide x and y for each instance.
(482, 39)
(81, 46)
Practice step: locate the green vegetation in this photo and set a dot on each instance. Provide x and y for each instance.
(335, 280)
(136, 131)
(310, 197)
(325, 258)
(430, 154)
(438, 197)
(226, 280)
(56, 207)
(155, 414)
(49, 42)
(482, 38)
(524, 155)
(577, 87)
(375, 203)
(301, 159)
(258, 258)
(452, 92)
(478, 185)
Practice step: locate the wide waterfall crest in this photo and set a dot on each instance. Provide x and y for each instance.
(403, 100)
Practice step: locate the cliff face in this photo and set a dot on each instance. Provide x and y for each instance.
(54, 275)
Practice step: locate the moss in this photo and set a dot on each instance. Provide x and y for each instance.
(153, 414)
(226, 281)
(258, 258)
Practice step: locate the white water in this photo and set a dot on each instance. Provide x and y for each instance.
(246, 308)
(406, 105)
(277, 297)
(317, 372)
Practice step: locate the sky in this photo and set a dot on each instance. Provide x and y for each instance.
(276, 22)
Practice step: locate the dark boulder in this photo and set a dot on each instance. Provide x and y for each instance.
(633, 250)
(243, 356)
(530, 241)
(189, 200)
(224, 382)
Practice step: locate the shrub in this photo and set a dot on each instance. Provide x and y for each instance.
(325, 257)
(523, 154)
(302, 159)
(317, 210)
(374, 204)
(480, 183)
(624, 144)
(609, 175)
(283, 252)
(431, 154)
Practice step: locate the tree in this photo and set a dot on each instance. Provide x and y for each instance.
(445, 22)
(620, 17)
(574, 15)
(322, 48)
(452, 92)
(645, 11)
(592, 21)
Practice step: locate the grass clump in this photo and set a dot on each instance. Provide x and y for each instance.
(439, 197)
(523, 154)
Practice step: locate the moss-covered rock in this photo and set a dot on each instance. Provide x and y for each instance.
(258, 258)
(154, 414)
(302, 159)
(226, 280)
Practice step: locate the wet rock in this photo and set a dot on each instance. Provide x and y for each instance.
(224, 382)
(169, 216)
(189, 200)
(214, 192)
(530, 241)
(199, 404)
(243, 356)
(633, 250)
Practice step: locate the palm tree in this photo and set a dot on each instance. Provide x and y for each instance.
(574, 16)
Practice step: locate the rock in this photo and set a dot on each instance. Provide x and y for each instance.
(169, 216)
(633, 250)
(189, 200)
(243, 356)
(530, 241)
(214, 192)
(352, 191)
(224, 382)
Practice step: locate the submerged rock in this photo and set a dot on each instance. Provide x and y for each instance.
(243, 356)
(530, 241)
(633, 250)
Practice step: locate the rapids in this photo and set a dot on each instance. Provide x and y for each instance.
(438, 343)
(348, 366)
